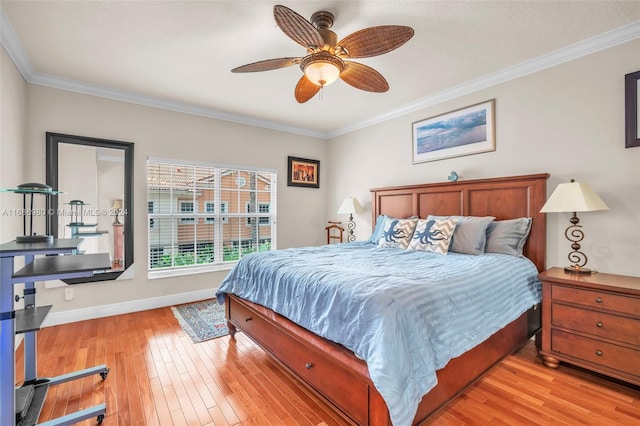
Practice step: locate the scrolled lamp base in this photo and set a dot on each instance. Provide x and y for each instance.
(578, 259)
(351, 225)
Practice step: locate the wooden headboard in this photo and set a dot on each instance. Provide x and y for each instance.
(504, 197)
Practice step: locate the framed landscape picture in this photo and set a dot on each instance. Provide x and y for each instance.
(303, 172)
(466, 131)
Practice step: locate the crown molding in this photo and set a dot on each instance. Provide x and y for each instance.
(577, 50)
(582, 48)
(155, 102)
(13, 47)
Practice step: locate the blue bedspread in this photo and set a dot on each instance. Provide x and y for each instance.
(406, 313)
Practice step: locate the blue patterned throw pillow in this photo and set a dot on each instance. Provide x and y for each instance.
(397, 232)
(433, 235)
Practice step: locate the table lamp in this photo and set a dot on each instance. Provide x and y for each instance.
(28, 190)
(117, 206)
(350, 206)
(574, 197)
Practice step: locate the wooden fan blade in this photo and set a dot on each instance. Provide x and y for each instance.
(375, 40)
(269, 64)
(305, 90)
(363, 77)
(297, 28)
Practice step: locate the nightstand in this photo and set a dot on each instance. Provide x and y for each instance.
(592, 321)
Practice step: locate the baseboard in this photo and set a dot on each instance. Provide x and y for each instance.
(57, 318)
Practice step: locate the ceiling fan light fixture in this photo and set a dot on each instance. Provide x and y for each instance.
(322, 68)
(329, 59)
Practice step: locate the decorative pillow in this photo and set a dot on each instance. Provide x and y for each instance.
(470, 236)
(508, 236)
(397, 232)
(378, 229)
(433, 235)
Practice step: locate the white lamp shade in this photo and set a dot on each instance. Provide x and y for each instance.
(117, 204)
(573, 197)
(350, 205)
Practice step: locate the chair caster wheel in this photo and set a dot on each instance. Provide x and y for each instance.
(104, 374)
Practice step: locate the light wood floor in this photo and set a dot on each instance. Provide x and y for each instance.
(159, 377)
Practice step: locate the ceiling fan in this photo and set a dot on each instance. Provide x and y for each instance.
(326, 56)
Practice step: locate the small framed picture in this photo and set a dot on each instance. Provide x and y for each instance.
(466, 131)
(303, 172)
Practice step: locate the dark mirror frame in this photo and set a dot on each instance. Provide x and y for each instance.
(53, 140)
(631, 82)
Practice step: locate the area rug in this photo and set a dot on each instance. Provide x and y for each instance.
(202, 320)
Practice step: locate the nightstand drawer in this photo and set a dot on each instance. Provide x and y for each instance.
(596, 352)
(596, 323)
(597, 299)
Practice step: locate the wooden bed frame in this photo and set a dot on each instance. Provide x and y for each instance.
(341, 378)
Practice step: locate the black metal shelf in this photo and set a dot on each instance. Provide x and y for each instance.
(31, 318)
(64, 265)
(40, 388)
(64, 245)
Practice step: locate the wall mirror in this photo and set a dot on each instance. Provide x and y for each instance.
(96, 178)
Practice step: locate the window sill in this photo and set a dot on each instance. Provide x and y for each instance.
(157, 274)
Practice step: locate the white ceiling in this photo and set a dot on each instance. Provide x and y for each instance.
(178, 54)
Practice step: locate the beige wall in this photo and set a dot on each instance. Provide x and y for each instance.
(13, 128)
(167, 134)
(567, 120)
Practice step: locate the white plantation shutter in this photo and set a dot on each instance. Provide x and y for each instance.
(207, 216)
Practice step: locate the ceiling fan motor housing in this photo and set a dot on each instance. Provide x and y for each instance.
(322, 20)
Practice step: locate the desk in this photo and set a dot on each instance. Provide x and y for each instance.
(31, 395)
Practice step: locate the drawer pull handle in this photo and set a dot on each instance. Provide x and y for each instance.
(248, 319)
(599, 352)
(599, 324)
(598, 299)
(308, 366)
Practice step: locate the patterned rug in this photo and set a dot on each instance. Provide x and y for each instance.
(202, 320)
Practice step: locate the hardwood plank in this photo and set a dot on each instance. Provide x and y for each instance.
(159, 377)
(159, 401)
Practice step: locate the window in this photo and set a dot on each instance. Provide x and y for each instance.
(206, 217)
(210, 207)
(151, 208)
(186, 208)
(263, 209)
